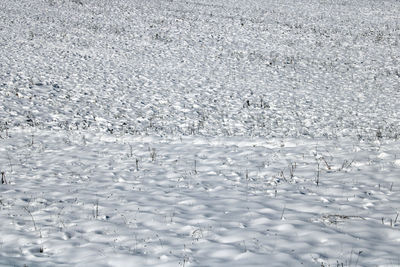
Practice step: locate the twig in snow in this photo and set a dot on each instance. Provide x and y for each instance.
(3, 178)
(283, 212)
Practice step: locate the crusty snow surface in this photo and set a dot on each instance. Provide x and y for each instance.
(199, 133)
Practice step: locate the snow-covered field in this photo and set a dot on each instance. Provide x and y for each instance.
(199, 133)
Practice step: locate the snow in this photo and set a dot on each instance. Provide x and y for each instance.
(199, 133)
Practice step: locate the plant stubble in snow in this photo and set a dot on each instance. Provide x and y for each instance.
(199, 133)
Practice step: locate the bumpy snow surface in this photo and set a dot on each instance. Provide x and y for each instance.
(199, 133)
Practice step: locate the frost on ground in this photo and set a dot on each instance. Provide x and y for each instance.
(199, 133)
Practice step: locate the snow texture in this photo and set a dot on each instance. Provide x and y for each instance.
(199, 133)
